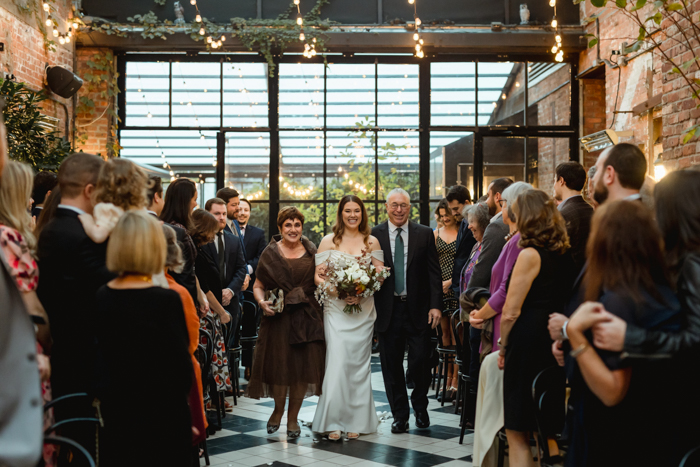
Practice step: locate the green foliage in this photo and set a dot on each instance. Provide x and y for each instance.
(28, 138)
(151, 25)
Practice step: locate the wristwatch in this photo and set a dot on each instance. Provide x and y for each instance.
(563, 330)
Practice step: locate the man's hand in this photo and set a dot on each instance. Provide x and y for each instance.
(434, 316)
(476, 323)
(226, 296)
(246, 282)
(446, 286)
(44, 367)
(556, 323)
(558, 352)
(610, 335)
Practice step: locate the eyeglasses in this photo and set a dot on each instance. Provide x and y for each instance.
(501, 202)
(396, 206)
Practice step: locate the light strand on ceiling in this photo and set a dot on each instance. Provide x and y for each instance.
(416, 35)
(557, 47)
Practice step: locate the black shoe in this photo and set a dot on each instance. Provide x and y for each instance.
(422, 419)
(399, 426)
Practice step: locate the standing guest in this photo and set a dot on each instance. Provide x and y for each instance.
(206, 228)
(48, 210)
(291, 352)
(458, 198)
(180, 201)
(44, 183)
(408, 306)
(491, 246)
(233, 204)
(536, 289)
(627, 276)
(446, 245)
(155, 195)
(72, 265)
(254, 242)
(570, 178)
(131, 309)
(477, 217)
(20, 404)
(173, 262)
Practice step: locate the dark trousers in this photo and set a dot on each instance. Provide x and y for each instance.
(392, 343)
(474, 361)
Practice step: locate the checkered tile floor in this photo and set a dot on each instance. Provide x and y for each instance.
(244, 440)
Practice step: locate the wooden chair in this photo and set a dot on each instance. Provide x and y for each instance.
(447, 354)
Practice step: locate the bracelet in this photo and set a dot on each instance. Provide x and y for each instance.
(578, 350)
(563, 331)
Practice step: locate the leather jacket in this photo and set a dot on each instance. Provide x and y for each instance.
(640, 343)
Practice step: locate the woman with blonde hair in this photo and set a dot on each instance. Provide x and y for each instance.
(537, 288)
(136, 323)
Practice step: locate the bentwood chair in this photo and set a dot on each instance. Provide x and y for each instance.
(549, 397)
(446, 354)
(201, 355)
(692, 458)
(87, 401)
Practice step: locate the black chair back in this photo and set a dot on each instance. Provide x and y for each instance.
(691, 459)
(549, 397)
(72, 446)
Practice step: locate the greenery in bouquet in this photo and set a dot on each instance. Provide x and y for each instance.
(351, 279)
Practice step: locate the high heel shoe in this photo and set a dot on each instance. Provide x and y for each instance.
(272, 428)
(293, 434)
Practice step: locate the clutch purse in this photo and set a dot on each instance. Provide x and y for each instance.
(275, 296)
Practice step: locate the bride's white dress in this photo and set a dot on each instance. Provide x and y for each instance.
(346, 401)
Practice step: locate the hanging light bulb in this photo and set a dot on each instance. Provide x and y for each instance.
(209, 39)
(552, 3)
(165, 165)
(149, 115)
(67, 39)
(76, 25)
(296, 2)
(202, 31)
(46, 6)
(313, 40)
(213, 45)
(198, 18)
(193, 2)
(218, 44)
(554, 23)
(69, 33)
(417, 47)
(418, 21)
(49, 22)
(555, 49)
(557, 38)
(55, 33)
(223, 39)
(61, 40)
(420, 54)
(411, 2)
(416, 36)
(302, 36)
(420, 41)
(300, 20)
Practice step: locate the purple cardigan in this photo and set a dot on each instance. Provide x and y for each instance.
(499, 277)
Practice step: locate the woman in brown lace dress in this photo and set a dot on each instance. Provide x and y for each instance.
(290, 353)
(446, 243)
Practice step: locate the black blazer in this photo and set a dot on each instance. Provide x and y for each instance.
(577, 214)
(254, 243)
(235, 266)
(72, 268)
(423, 279)
(465, 245)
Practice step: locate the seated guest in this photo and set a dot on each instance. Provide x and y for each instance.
(173, 262)
(627, 275)
(205, 229)
(537, 288)
(155, 195)
(44, 183)
(136, 322)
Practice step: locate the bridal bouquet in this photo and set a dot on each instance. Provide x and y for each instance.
(351, 279)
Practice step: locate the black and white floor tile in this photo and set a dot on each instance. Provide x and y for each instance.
(244, 440)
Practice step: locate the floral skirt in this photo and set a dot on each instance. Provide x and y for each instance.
(219, 362)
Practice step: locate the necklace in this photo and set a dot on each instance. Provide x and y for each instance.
(137, 277)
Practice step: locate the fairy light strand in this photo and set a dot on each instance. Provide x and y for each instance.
(557, 47)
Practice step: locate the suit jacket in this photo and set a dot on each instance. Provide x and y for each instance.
(186, 278)
(254, 243)
(236, 232)
(36, 212)
(72, 269)
(235, 267)
(423, 279)
(465, 245)
(20, 404)
(491, 245)
(577, 213)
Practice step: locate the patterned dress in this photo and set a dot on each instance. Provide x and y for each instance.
(26, 274)
(446, 254)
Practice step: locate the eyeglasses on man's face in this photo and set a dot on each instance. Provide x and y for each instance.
(502, 202)
(396, 206)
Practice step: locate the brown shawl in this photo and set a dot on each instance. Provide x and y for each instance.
(275, 271)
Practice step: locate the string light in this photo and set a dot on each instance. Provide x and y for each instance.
(55, 33)
(557, 47)
(198, 18)
(49, 22)
(46, 6)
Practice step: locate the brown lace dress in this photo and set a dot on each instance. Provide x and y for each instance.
(290, 350)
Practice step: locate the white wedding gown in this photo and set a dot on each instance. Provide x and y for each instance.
(346, 401)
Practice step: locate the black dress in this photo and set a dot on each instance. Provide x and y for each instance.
(143, 339)
(529, 346)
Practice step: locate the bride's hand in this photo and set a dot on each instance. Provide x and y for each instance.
(352, 300)
(382, 279)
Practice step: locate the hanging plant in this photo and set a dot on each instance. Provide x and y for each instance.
(30, 138)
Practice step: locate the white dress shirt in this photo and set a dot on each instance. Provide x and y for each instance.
(392, 242)
(72, 208)
(633, 197)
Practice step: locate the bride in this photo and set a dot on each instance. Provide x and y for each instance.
(346, 403)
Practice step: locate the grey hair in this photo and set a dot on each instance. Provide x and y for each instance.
(173, 259)
(511, 193)
(479, 213)
(591, 172)
(399, 191)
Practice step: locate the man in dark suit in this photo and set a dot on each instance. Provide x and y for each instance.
(570, 178)
(233, 203)
(228, 254)
(458, 197)
(44, 183)
(253, 238)
(72, 269)
(408, 305)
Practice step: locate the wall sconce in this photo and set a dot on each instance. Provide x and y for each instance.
(602, 139)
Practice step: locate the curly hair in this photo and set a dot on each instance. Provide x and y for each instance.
(205, 227)
(122, 183)
(539, 222)
(339, 226)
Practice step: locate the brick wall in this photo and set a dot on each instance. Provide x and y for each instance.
(25, 54)
(594, 118)
(677, 111)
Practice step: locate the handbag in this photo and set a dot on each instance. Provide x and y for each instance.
(275, 296)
